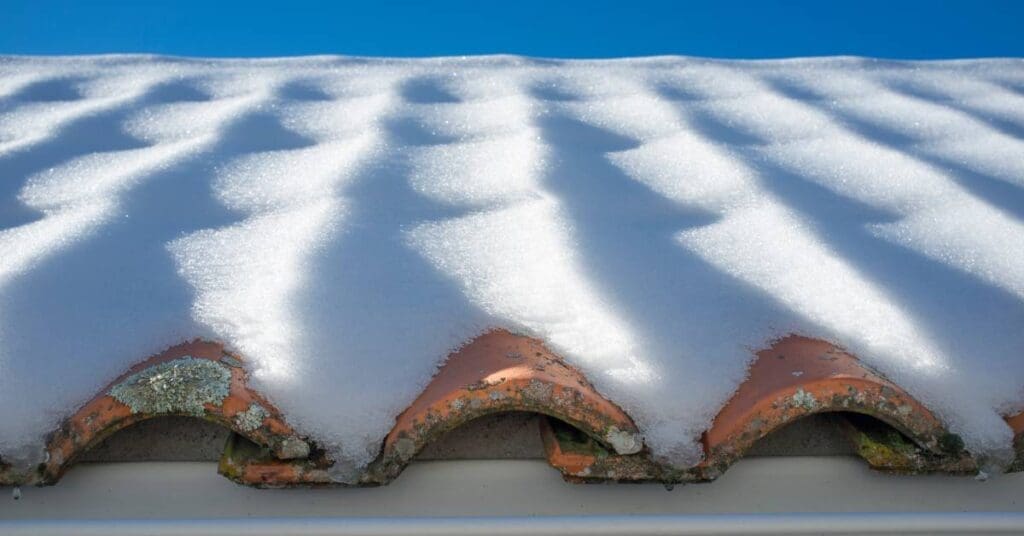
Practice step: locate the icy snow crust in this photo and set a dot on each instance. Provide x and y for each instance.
(346, 223)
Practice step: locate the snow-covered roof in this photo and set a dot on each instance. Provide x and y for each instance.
(346, 223)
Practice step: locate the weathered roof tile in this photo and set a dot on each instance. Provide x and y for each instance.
(496, 372)
(197, 379)
(585, 436)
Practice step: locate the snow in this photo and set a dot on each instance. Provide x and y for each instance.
(345, 223)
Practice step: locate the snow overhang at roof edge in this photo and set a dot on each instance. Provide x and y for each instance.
(586, 437)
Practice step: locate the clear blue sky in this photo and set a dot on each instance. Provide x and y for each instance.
(594, 28)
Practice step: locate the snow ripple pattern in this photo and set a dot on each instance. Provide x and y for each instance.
(345, 223)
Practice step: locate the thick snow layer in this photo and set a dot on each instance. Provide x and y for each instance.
(345, 223)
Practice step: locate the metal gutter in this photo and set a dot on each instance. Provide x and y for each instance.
(764, 524)
(768, 495)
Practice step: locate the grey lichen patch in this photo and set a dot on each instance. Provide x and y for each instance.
(251, 418)
(292, 448)
(624, 442)
(184, 385)
(538, 391)
(804, 399)
(343, 471)
(405, 448)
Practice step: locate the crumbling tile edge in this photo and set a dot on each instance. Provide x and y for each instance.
(586, 437)
(496, 372)
(196, 379)
(793, 378)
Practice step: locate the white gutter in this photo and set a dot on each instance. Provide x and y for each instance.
(756, 496)
(763, 524)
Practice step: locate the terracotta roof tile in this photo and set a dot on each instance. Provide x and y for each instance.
(585, 436)
(497, 372)
(198, 379)
(500, 372)
(797, 377)
(794, 378)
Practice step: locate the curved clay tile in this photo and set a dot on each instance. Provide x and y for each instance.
(797, 377)
(500, 372)
(496, 372)
(794, 378)
(197, 379)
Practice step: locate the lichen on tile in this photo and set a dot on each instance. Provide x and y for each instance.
(251, 418)
(804, 399)
(184, 386)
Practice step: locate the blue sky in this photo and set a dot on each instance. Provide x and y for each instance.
(594, 28)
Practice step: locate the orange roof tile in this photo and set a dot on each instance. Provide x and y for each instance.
(587, 437)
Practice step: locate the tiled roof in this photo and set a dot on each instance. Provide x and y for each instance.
(586, 437)
(678, 236)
